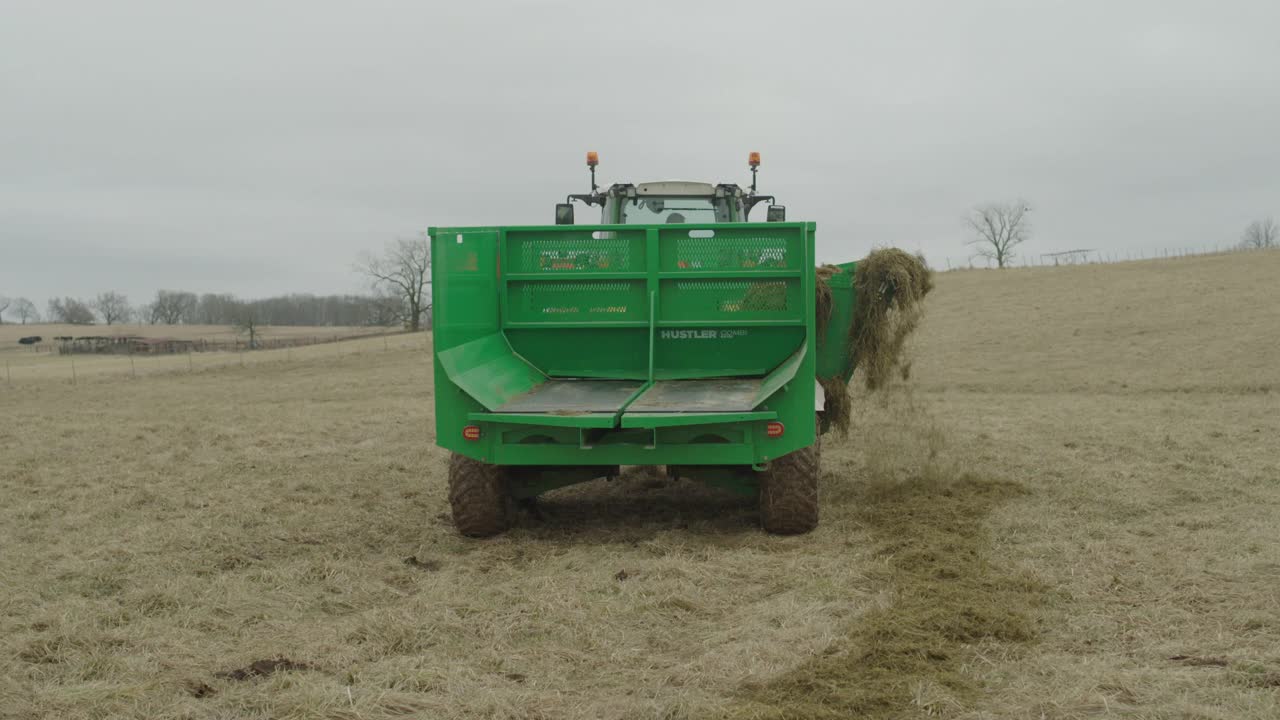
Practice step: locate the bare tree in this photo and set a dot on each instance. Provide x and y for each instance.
(402, 271)
(25, 310)
(171, 307)
(4, 305)
(1261, 234)
(113, 307)
(70, 310)
(999, 228)
(247, 324)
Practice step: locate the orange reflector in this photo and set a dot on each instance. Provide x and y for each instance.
(592, 158)
(753, 159)
(774, 429)
(471, 432)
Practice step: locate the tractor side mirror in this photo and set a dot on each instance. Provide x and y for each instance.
(777, 213)
(564, 213)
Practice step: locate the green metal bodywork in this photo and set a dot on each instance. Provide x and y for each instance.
(607, 345)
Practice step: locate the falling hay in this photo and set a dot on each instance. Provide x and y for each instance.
(890, 285)
(838, 405)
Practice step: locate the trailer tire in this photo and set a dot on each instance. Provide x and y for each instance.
(479, 497)
(789, 492)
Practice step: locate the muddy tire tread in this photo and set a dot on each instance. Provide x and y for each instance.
(789, 492)
(478, 496)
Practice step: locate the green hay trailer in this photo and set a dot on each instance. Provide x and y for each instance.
(563, 352)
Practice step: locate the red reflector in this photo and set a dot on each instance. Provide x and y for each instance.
(471, 432)
(773, 429)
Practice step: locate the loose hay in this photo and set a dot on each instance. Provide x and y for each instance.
(823, 302)
(839, 405)
(948, 596)
(891, 285)
(767, 295)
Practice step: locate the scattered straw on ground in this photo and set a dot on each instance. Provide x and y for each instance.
(947, 595)
(158, 532)
(946, 591)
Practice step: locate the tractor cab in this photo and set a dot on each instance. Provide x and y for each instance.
(671, 201)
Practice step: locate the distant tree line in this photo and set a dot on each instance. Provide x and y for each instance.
(175, 307)
(180, 307)
(20, 310)
(399, 280)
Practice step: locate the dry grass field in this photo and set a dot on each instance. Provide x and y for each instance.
(23, 363)
(1069, 510)
(10, 332)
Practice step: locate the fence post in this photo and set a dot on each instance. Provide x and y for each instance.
(189, 368)
(132, 369)
(73, 369)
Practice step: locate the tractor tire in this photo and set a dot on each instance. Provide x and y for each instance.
(789, 492)
(479, 497)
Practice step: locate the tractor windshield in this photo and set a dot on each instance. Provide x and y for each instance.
(658, 210)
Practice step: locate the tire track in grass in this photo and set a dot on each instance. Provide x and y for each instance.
(907, 659)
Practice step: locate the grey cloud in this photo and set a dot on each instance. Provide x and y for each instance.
(259, 147)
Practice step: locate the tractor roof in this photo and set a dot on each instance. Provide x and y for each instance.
(675, 187)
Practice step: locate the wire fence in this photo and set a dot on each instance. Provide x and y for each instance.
(22, 368)
(1091, 256)
(143, 345)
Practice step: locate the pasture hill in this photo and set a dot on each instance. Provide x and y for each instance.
(1067, 510)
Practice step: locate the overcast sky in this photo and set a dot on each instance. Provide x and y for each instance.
(259, 147)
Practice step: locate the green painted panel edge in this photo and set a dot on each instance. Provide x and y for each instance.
(833, 346)
(655, 420)
(489, 371)
(586, 420)
(781, 375)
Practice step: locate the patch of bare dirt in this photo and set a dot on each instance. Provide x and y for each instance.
(262, 668)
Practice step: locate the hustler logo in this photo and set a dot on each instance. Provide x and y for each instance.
(700, 334)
